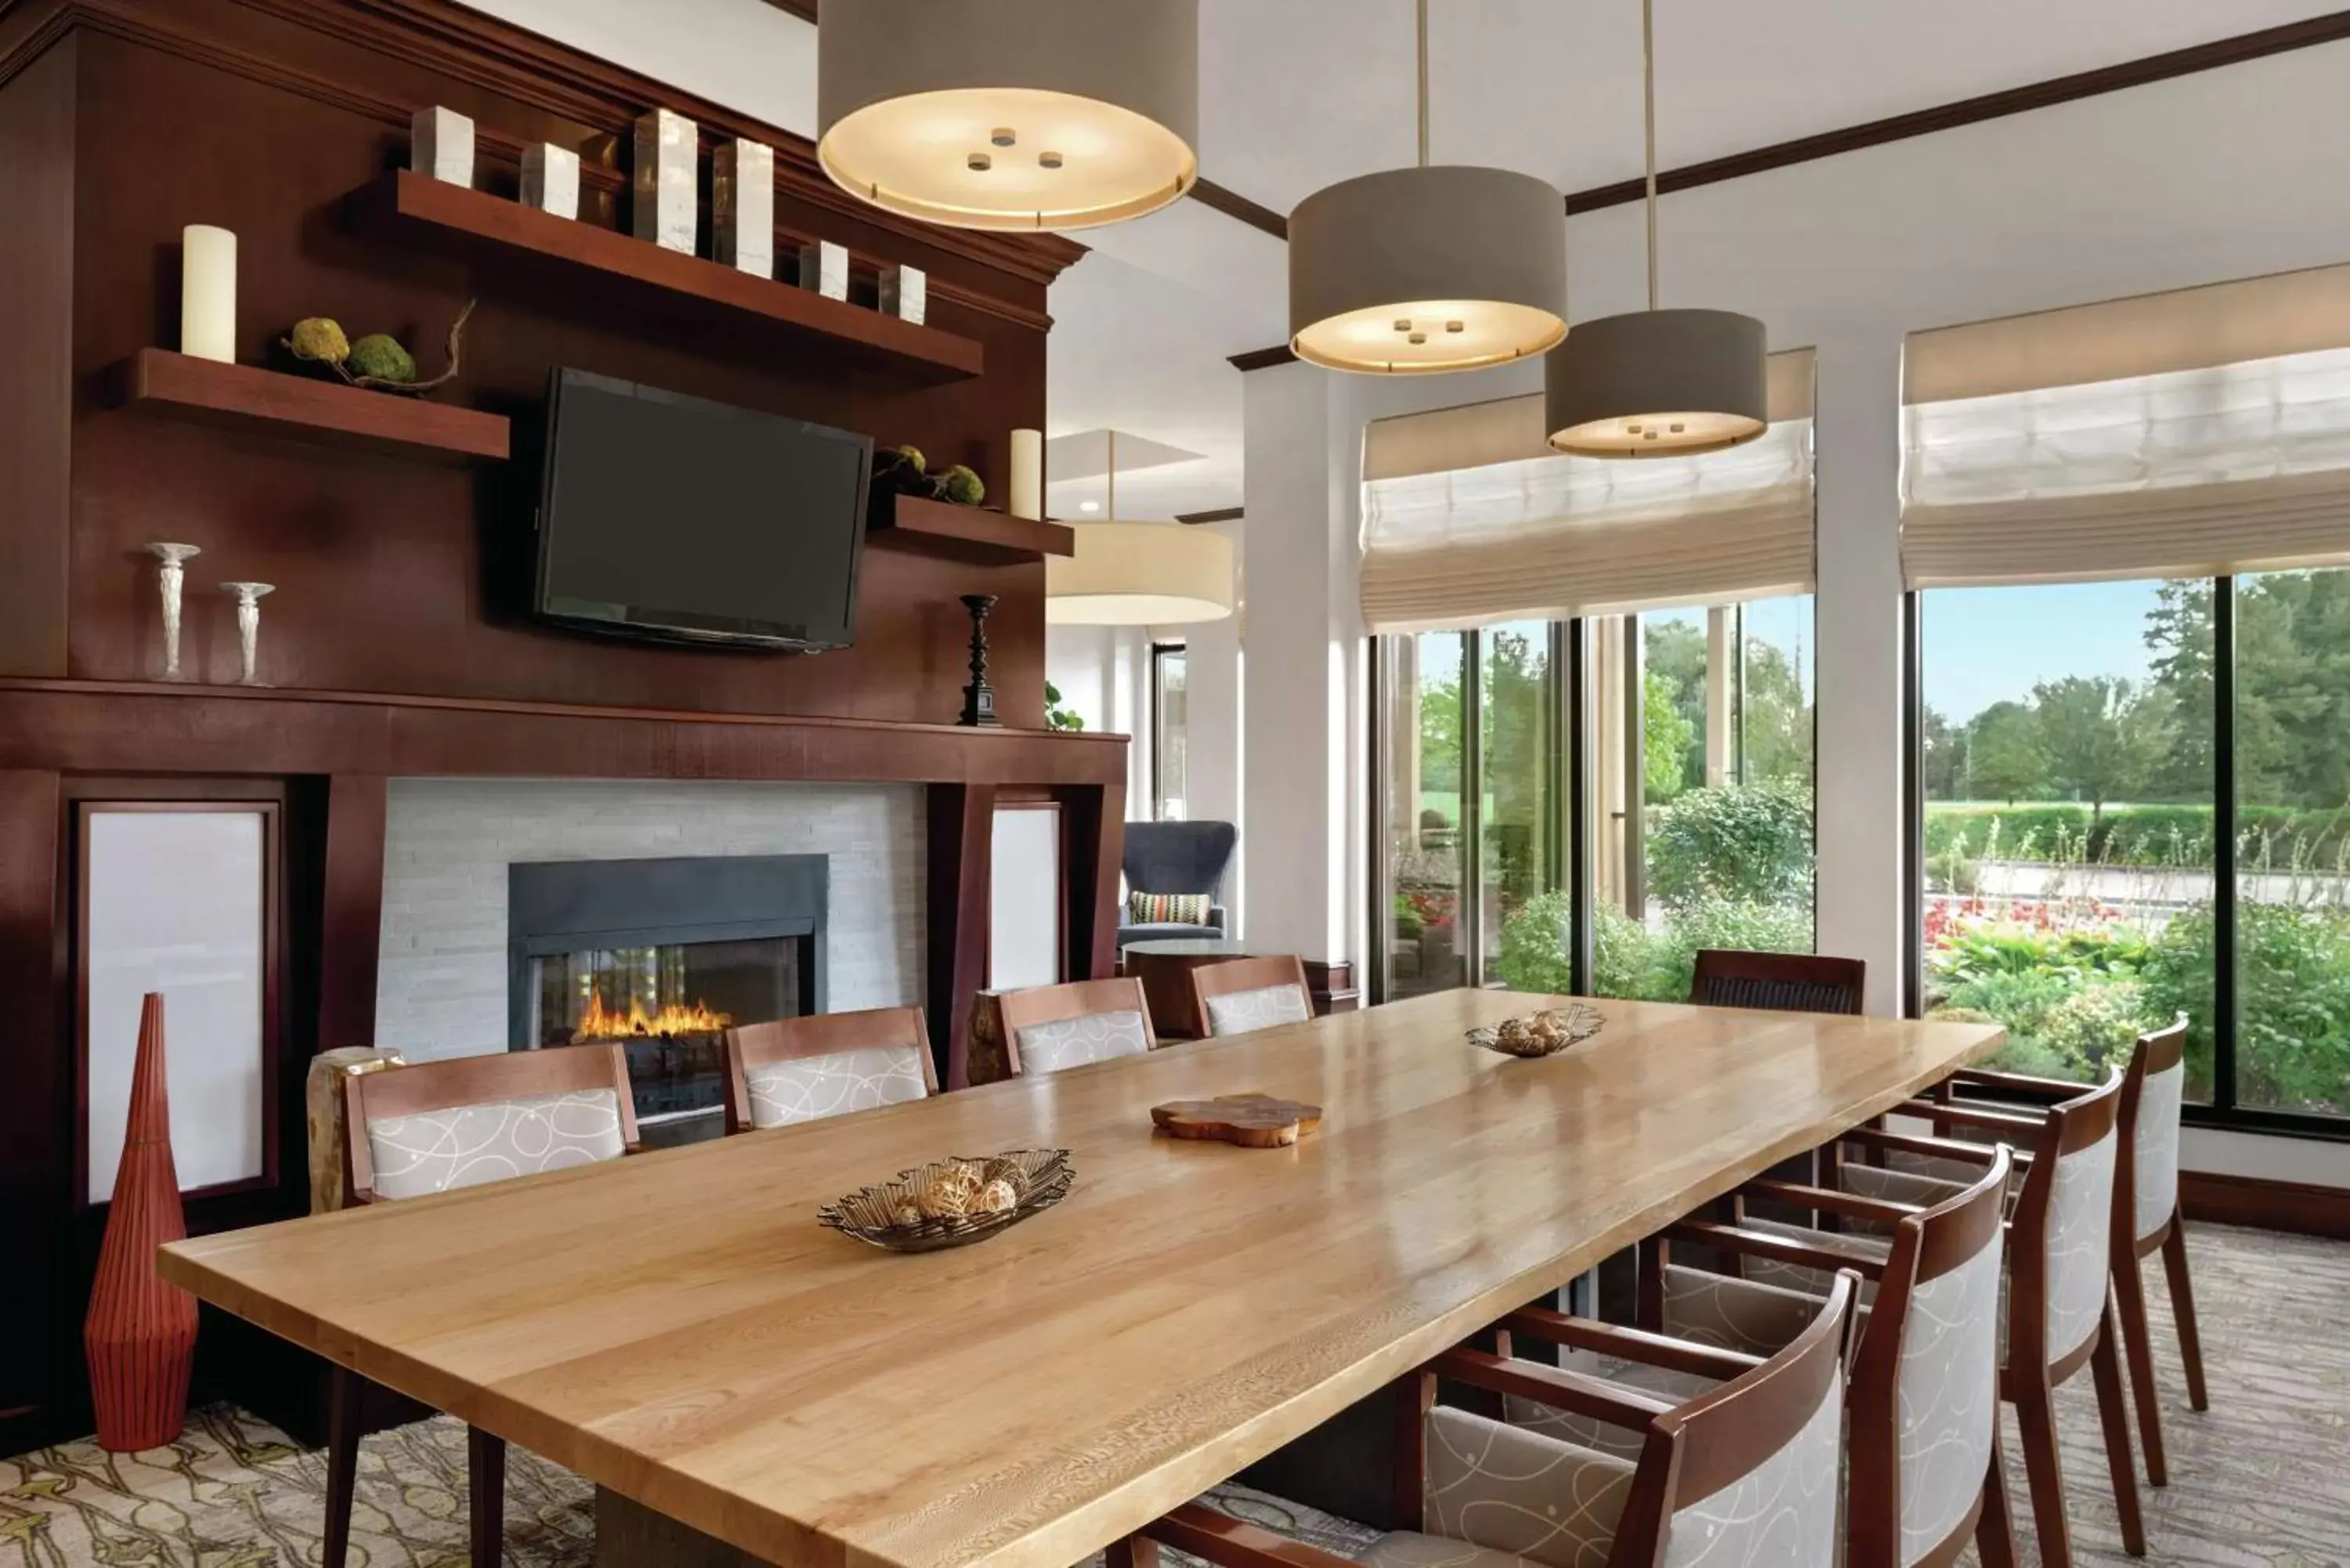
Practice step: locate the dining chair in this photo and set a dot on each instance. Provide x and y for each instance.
(1241, 994)
(1779, 982)
(1744, 1473)
(1926, 1475)
(1049, 1028)
(2059, 1315)
(825, 1064)
(2147, 1214)
(439, 1127)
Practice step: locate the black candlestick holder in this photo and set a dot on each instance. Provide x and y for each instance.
(979, 697)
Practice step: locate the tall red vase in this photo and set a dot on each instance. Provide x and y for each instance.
(141, 1334)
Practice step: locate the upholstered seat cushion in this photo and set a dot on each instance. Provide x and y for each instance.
(809, 1088)
(1238, 1012)
(1511, 1494)
(466, 1146)
(1074, 1042)
(1408, 1549)
(1160, 932)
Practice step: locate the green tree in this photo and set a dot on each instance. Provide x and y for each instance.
(1515, 693)
(1665, 734)
(1941, 769)
(2002, 757)
(1776, 722)
(2103, 738)
(2179, 634)
(1675, 650)
(1439, 735)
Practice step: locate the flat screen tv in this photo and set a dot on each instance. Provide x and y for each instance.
(676, 518)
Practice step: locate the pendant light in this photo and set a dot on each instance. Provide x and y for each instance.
(1658, 383)
(1010, 114)
(1420, 271)
(1138, 574)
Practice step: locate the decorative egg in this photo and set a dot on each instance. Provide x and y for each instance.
(996, 1198)
(951, 1195)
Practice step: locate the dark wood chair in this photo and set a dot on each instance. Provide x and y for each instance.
(438, 1127)
(1048, 1028)
(1744, 1473)
(827, 1064)
(1778, 982)
(1241, 994)
(1926, 1471)
(2146, 1217)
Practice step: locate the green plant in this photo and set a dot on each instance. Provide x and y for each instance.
(1533, 946)
(1406, 919)
(1056, 716)
(962, 486)
(2094, 1029)
(379, 356)
(1745, 843)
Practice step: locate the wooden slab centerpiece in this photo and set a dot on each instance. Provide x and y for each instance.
(1249, 1121)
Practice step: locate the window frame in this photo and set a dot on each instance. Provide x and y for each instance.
(1159, 653)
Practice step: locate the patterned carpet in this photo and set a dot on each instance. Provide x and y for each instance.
(2262, 1480)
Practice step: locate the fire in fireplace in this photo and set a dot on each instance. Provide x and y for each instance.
(663, 957)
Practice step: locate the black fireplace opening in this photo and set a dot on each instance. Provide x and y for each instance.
(662, 956)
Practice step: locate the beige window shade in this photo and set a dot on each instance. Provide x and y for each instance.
(1470, 518)
(2175, 436)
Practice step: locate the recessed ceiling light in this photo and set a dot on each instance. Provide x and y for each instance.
(1088, 505)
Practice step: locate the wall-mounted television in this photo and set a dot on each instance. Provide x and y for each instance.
(671, 517)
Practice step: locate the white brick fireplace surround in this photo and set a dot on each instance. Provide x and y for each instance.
(441, 987)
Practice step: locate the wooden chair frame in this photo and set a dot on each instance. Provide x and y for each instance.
(1925, 1244)
(2014, 1096)
(436, 1086)
(1071, 998)
(472, 1081)
(1821, 970)
(1692, 1450)
(819, 1034)
(1241, 974)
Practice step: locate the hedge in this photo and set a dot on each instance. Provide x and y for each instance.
(2133, 835)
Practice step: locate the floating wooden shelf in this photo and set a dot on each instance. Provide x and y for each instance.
(866, 337)
(324, 414)
(968, 533)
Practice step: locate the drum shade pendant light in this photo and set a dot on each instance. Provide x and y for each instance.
(1138, 574)
(1010, 114)
(1420, 271)
(1658, 383)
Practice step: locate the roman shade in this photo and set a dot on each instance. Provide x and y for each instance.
(2177, 435)
(1470, 518)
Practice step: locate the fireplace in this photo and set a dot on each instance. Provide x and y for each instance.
(663, 956)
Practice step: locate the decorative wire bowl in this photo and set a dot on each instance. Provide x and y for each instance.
(1040, 1178)
(1544, 1034)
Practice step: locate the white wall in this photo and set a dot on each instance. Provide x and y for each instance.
(1103, 673)
(2230, 173)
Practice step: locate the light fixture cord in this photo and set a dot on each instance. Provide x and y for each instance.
(1648, 127)
(1423, 83)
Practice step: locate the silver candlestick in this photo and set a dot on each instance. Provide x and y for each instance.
(248, 627)
(170, 579)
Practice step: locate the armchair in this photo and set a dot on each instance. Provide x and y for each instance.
(1177, 857)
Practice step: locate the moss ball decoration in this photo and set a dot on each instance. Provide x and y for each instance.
(319, 337)
(911, 457)
(962, 486)
(379, 355)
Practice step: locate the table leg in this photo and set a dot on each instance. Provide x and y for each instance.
(631, 1535)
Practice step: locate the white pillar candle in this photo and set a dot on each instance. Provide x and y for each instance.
(208, 293)
(1028, 474)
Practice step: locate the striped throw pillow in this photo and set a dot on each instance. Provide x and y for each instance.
(1168, 908)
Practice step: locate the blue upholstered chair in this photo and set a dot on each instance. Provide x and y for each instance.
(1178, 857)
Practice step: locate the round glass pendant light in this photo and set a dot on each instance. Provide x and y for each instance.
(1658, 383)
(1421, 271)
(1010, 114)
(1138, 574)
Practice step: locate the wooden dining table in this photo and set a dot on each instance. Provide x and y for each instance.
(743, 1385)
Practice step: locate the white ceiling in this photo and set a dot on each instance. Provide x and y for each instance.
(1296, 94)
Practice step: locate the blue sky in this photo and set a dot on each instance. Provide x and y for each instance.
(1988, 644)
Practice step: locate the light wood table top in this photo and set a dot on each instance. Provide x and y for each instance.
(677, 1328)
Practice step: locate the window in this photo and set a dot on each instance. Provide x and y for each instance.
(1422, 769)
(1516, 832)
(1168, 733)
(1703, 717)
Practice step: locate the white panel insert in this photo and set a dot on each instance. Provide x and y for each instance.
(177, 904)
(1023, 898)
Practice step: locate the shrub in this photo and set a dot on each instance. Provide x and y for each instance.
(1533, 946)
(1628, 960)
(2094, 1028)
(1743, 844)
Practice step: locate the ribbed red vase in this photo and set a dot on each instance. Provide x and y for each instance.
(141, 1334)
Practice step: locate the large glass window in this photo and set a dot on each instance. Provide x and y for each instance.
(1701, 790)
(1423, 771)
(1169, 729)
(1516, 724)
(2067, 764)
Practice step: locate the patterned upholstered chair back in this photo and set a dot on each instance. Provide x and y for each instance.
(1925, 1394)
(1050, 1028)
(1778, 982)
(2152, 1094)
(436, 1126)
(1249, 993)
(1748, 1473)
(2060, 1254)
(828, 1064)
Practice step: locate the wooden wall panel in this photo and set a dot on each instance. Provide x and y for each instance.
(37, 1298)
(36, 186)
(350, 914)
